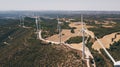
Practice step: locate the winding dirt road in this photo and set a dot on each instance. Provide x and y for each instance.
(66, 35)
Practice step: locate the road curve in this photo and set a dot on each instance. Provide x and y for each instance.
(87, 52)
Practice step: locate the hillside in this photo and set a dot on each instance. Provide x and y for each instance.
(21, 48)
(26, 51)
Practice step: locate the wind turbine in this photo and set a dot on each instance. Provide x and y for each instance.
(23, 20)
(36, 21)
(39, 24)
(59, 29)
(83, 38)
(20, 21)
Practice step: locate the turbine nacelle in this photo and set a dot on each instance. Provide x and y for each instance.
(60, 22)
(117, 64)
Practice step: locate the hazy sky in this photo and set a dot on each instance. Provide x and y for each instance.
(113, 5)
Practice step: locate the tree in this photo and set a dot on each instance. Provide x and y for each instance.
(72, 30)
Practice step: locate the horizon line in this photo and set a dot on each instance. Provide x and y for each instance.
(60, 10)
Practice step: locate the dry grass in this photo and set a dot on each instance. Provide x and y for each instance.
(106, 40)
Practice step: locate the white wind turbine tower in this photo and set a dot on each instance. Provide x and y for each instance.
(36, 21)
(59, 30)
(83, 38)
(20, 23)
(23, 20)
(84, 42)
(37, 26)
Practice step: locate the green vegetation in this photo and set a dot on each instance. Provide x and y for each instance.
(100, 59)
(29, 22)
(114, 50)
(49, 27)
(100, 62)
(102, 31)
(25, 50)
(76, 39)
(72, 30)
(7, 28)
(65, 25)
